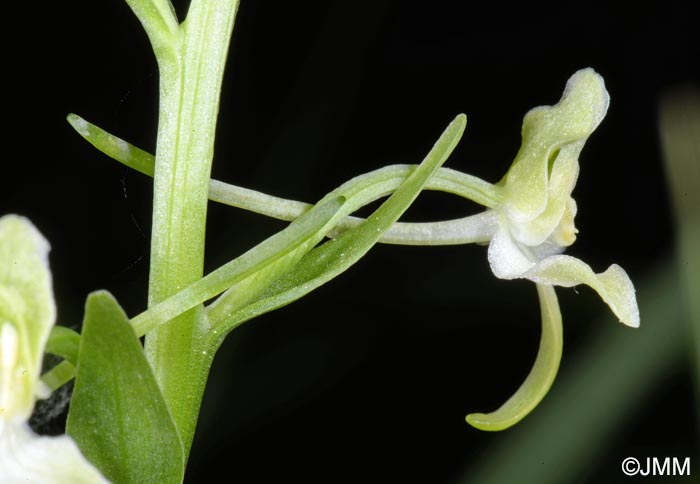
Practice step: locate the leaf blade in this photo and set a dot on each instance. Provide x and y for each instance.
(118, 415)
(300, 235)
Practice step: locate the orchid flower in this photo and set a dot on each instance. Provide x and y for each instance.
(533, 223)
(536, 216)
(528, 222)
(27, 314)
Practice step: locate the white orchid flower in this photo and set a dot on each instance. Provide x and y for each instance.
(536, 216)
(27, 313)
(532, 222)
(528, 222)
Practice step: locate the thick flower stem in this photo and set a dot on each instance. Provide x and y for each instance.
(190, 84)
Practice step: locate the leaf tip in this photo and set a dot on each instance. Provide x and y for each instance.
(460, 122)
(79, 124)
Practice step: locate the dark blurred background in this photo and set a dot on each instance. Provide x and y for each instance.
(369, 378)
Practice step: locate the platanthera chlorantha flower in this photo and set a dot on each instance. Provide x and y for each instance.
(536, 214)
(533, 222)
(27, 313)
(528, 223)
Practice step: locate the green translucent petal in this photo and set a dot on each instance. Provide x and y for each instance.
(542, 375)
(614, 285)
(546, 129)
(27, 313)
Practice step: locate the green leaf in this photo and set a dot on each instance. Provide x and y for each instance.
(64, 342)
(116, 148)
(332, 258)
(117, 415)
(276, 252)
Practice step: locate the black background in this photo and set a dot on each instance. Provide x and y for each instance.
(367, 379)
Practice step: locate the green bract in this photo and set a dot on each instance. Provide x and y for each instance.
(117, 414)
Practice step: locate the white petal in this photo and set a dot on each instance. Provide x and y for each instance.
(26, 457)
(27, 305)
(614, 285)
(506, 257)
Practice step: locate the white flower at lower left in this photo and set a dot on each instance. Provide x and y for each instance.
(26, 457)
(27, 314)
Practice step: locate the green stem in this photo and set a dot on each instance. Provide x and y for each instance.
(190, 85)
(59, 375)
(158, 20)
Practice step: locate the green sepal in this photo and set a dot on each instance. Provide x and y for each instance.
(546, 130)
(118, 415)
